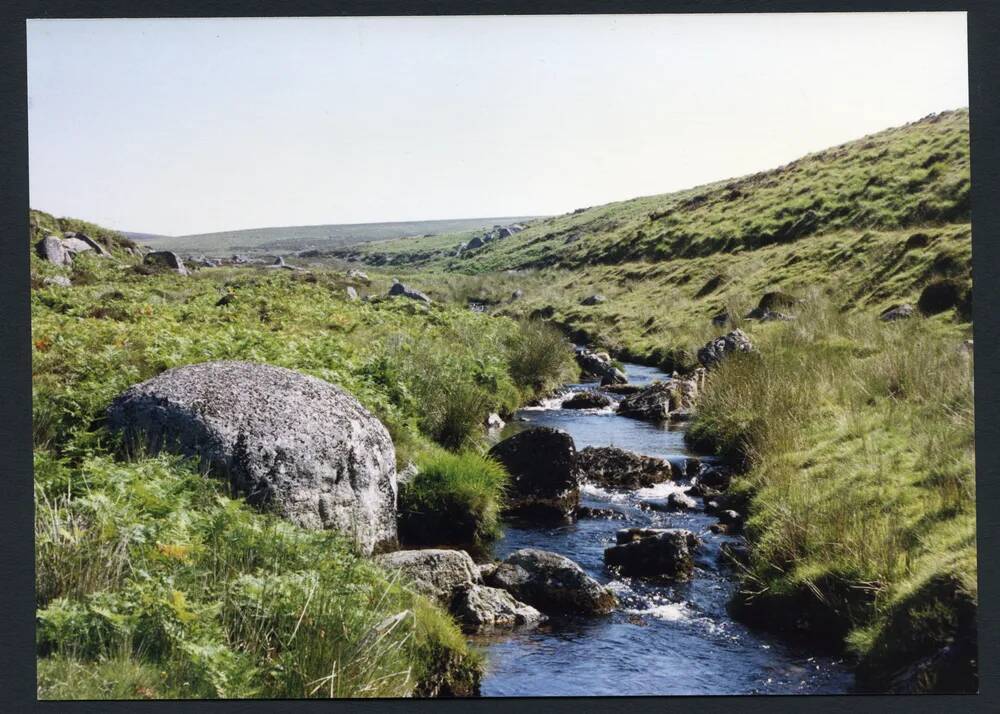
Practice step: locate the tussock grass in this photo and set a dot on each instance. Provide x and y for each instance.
(454, 500)
(858, 441)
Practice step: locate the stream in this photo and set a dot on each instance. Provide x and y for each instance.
(665, 638)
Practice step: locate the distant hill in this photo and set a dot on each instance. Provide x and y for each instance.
(145, 237)
(324, 237)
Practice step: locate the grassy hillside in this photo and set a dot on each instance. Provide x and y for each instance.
(854, 437)
(323, 237)
(153, 581)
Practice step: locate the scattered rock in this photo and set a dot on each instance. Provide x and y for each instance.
(618, 468)
(897, 312)
(411, 293)
(719, 319)
(587, 400)
(718, 478)
(692, 467)
(552, 583)
(494, 422)
(60, 281)
(653, 551)
(593, 300)
(673, 503)
(50, 248)
(166, 259)
(516, 295)
(226, 299)
(598, 364)
(716, 350)
(732, 520)
(292, 443)
(352, 294)
(586, 512)
(483, 608)
(437, 573)
(718, 529)
(652, 403)
(544, 478)
(771, 300)
(358, 275)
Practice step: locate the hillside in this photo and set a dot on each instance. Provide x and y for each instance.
(322, 237)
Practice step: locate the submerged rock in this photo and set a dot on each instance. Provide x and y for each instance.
(618, 468)
(552, 583)
(716, 350)
(653, 551)
(544, 479)
(587, 400)
(611, 514)
(292, 443)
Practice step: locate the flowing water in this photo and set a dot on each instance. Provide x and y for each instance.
(666, 638)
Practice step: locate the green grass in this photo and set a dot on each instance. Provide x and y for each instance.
(858, 440)
(150, 581)
(454, 500)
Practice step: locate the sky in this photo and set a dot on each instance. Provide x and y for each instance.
(193, 126)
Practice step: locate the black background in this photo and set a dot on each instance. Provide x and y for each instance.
(17, 609)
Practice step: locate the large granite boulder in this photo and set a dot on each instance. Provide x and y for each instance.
(294, 444)
(166, 260)
(437, 573)
(652, 551)
(552, 583)
(618, 468)
(544, 480)
(718, 349)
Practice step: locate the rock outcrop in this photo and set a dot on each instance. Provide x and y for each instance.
(544, 479)
(482, 608)
(657, 401)
(437, 573)
(413, 294)
(167, 260)
(552, 583)
(598, 364)
(51, 248)
(618, 468)
(294, 444)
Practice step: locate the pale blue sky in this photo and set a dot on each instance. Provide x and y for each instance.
(190, 126)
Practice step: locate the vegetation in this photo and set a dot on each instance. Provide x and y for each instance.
(454, 500)
(150, 581)
(855, 435)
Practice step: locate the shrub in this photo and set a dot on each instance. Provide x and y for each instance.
(539, 355)
(455, 499)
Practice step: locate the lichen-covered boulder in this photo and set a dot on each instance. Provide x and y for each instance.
(482, 608)
(294, 444)
(544, 480)
(652, 551)
(618, 468)
(552, 583)
(51, 248)
(435, 572)
(718, 349)
(652, 403)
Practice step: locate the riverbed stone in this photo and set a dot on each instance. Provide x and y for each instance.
(599, 364)
(483, 608)
(591, 399)
(611, 466)
(653, 403)
(544, 478)
(552, 583)
(292, 443)
(653, 551)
